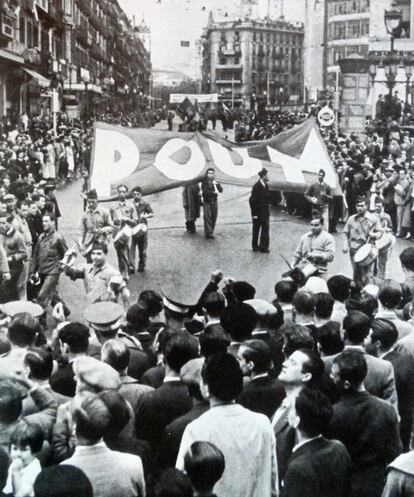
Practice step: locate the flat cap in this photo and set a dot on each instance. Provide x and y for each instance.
(262, 307)
(190, 373)
(104, 316)
(96, 374)
(316, 285)
(21, 306)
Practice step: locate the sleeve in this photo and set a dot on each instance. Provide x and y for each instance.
(47, 406)
(394, 445)
(62, 247)
(4, 265)
(148, 209)
(75, 273)
(330, 249)
(395, 484)
(219, 187)
(62, 443)
(82, 231)
(274, 468)
(34, 264)
(186, 442)
(21, 252)
(389, 393)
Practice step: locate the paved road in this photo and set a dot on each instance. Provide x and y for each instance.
(177, 259)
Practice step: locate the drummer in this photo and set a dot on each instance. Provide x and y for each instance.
(360, 229)
(386, 224)
(317, 246)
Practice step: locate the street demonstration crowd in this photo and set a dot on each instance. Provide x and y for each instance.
(229, 395)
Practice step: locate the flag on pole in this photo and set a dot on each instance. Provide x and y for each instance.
(159, 160)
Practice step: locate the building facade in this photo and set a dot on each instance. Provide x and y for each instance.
(86, 50)
(248, 57)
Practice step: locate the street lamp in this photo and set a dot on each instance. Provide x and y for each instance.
(392, 19)
(408, 67)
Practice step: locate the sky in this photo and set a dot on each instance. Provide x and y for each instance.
(173, 21)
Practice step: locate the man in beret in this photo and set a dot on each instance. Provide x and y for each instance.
(96, 225)
(100, 278)
(259, 206)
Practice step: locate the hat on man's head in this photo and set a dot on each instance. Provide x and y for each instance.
(178, 299)
(104, 316)
(92, 195)
(97, 375)
(262, 307)
(9, 197)
(21, 306)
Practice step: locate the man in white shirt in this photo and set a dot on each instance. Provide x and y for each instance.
(245, 438)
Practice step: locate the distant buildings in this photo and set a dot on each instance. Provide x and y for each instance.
(260, 57)
(86, 50)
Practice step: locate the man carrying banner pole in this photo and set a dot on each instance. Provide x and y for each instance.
(259, 205)
(210, 189)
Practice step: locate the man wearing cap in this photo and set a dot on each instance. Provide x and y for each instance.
(359, 229)
(49, 251)
(96, 225)
(259, 206)
(317, 246)
(122, 214)
(16, 254)
(105, 319)
(319, 194)
(142, 212)
(101, 280)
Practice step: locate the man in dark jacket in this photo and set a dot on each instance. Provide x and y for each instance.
(366, 425)
(384, 335)
(262, 394)
(171, 399)
(317, 466)
(210, 190)
(259, 206)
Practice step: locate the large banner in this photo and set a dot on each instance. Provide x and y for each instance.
(159, 160)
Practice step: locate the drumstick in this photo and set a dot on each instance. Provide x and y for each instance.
(287, 262)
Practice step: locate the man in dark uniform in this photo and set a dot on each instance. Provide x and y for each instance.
(210, 190)
(259, 205)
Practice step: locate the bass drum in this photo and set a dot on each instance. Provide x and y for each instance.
(366, 255)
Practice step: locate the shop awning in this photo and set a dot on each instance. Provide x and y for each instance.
(42, 81)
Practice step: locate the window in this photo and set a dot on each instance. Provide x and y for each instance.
(29, 34)
(35, 36)
(365, 27)
(353, 29)
(22, 30)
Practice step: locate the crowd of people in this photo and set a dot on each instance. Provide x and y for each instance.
(309, 394)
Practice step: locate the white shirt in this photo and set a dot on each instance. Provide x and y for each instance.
(248, 443)
(28, 475)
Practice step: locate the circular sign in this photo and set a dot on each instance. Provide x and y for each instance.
(326, 116)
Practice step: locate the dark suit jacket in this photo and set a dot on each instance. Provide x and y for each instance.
(285, 441)
(259, 201)
(167, 455)
(380, 379)
(262, 395)
(159, 408)
(319, 468)
(368, 427)
(404, 375)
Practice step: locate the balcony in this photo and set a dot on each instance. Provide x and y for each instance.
(97, 52)
(81, 34)
(56, 13)
(96, 21)
(228, 81)
(229, 66)
(230, 50)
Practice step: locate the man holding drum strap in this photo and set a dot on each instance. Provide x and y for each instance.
(360, 230)
(317, 246)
